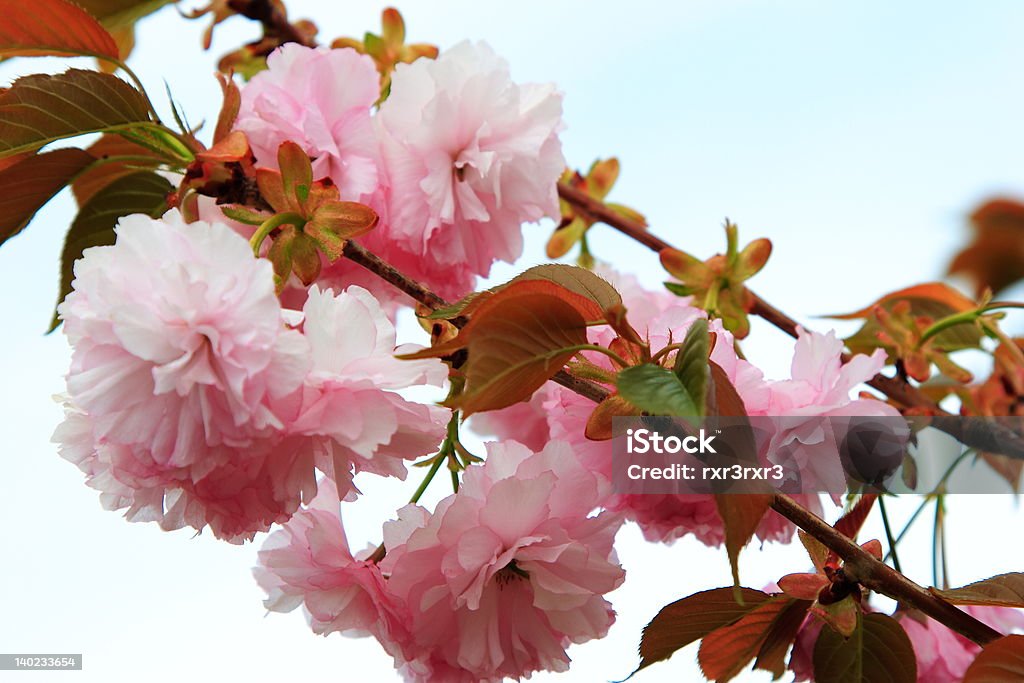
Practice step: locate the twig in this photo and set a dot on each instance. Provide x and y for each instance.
(864, 568)
(357, 254)
(984, 435)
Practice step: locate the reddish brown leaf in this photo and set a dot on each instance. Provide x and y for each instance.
(599, 425)
(52, 27)
(726, 651)
(842, 616)
(333, 223)
(232, 147)
(851, 523)
(723, 399)
(42, 108)
(741, 514)
(32, 182)
(815, 550)
(1003, 590)
(100, 175)
(804, 586)
(999, 662)
(687, 620)
(995, 259)
(516, 340)
(939, 292)
(228, 110)
(580, 281)
(781, 634)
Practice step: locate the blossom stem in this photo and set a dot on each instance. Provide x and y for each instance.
(271, 224)
(434, 467)
(864, 568)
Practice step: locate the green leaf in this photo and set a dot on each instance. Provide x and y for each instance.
(678, 289)
(688, 620)
(879, 651)
(243, 214)
(142, 192)
(1001, 661)
(1003, 590)
(52, 27)
(691, 366)
(656, 391)
(42, 108)
(33, 181)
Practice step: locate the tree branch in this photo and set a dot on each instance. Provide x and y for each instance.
(981, 435)
(859, 564)
(870, 572)
(357, 254)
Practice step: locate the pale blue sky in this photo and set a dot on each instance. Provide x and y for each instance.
(855, 135)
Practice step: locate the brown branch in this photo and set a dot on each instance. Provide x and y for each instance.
(872, 573)
(980, 435)
(275, 21)
(859, 565)
(357, 254)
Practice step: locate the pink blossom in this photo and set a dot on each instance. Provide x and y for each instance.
(308, 562)
(944, 655)
(320, 99)
(820, 386)
(821, 383)
(504, 575)
(345, 407)
(470, 156)
(180, 349)
(193, 402)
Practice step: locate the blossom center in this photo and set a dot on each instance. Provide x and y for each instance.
(509, 573)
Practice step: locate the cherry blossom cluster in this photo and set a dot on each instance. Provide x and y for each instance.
(199, 396)
(454, 160)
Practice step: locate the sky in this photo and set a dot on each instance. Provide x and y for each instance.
(856, 136)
